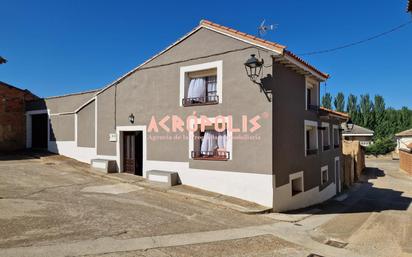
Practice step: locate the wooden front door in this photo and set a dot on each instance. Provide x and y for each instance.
(133, 152)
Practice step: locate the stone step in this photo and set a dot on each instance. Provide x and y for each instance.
(103, 165)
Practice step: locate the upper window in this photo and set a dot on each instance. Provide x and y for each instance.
(201, 84)
(312, 94)
(336, 136)
(325, 136)
(311, 137)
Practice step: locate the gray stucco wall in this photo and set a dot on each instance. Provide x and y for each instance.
(106, 122)
(62, 127)
(154, 90)
(86, 126)
(61, 104)
(288, 140)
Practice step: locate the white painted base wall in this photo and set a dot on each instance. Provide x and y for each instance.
(70, 149)
(248, 186)
(284, 201)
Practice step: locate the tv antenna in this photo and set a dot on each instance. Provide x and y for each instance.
(263, 29)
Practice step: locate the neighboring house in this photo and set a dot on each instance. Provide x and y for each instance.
(405, 158)
(358, 133)
(291, 161)
(403, 140)
(12, 119)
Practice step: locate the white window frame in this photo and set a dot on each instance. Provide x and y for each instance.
(218, 65)
(337, 174)
(229, 143)
(338, 139)
(294, 176)
(327, 126)
(312, 124)
(311, 83)
(322, 169)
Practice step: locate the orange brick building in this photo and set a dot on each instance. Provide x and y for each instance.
(405, 159)
(12, 117)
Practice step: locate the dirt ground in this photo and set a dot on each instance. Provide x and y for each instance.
(48, 207)
(48, 202)
(378, 218)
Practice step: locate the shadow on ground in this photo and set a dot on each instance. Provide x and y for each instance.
(364, 197)
(24, 155)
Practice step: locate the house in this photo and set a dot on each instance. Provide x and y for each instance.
(403, 140)
(405, 158)
(193, 109)
(358, 133)
(12, 119)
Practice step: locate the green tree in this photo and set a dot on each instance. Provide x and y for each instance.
(366, 111)
(385, 122)
(327, 101)
(339, 102)
(405, 118)
(352, 108)
(379, 112)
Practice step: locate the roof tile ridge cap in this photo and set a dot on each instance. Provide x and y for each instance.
(241, 33)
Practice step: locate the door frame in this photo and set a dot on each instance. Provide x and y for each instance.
(119, 145)
(29, 135)
(337, 174)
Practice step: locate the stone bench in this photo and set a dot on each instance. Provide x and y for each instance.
(168, 177)
(103, 165)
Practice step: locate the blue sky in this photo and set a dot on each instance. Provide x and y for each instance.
(59, 47)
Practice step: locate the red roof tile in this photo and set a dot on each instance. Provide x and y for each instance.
(268, 44)
(341, 114)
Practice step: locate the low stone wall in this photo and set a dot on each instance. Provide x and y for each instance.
(405, 161)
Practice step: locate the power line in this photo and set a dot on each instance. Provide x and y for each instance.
(358, 42)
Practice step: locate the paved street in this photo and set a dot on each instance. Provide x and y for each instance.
(48, 207)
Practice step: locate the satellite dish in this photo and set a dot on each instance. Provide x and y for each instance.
(263, 29)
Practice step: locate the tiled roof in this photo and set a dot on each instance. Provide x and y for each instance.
(297, 58)
(261, 42)
(340, 114)
(278, 48)
(357, 130)
(406, 133)
(245, 36)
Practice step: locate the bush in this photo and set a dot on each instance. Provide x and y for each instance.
(381, 147)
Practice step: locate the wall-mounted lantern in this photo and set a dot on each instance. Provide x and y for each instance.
(131, 118)
(254, 70)
(349, 125)
(253, 67)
